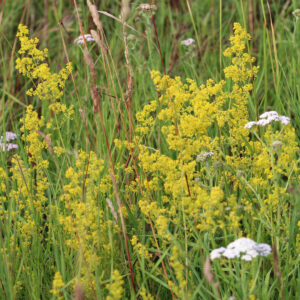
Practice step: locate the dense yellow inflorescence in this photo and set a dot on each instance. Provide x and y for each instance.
(75, 215)
(207, 172)
(212, 170)
(32, 65)
(57, 285)
(115, 288)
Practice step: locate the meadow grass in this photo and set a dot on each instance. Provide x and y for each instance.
(125, 178)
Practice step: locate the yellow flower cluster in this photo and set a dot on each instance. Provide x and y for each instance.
(212, 169)
(115, 288)
(140, 248)
(32, 65)
(180, 288)
(29, 184)
(57, 285)
(82, 218)
(24, 187)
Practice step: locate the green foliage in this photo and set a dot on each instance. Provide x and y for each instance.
(125, 179)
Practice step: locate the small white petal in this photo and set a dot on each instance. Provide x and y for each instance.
(269, 114)
(250, 125)
(203, 156)
(216, 253)
(247, 257)
(284, 120)
(188, 42)
(10, 136)
(263, 122)
(231, 253)
(88, 37)
(8, 147)
(263, 249)
(252, 252)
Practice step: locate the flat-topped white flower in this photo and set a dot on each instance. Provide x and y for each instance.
(88, 37)
(216, 253)
(250, 124)
(268, 117)
(269, 114)
(203, 156)
(263, 249)
(243, 248)
(8, 147)
(9, 136)
(188, 42)
(284, 120)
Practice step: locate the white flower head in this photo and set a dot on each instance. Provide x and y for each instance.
(188, 42)
(269, 114)
(296, 13)
(231, 253)
(284, 120)
(263, 249)
(263, 122)
(250, 125)
(9, 136)
(203, 156)
(268, 117)
(243, 248)
(216, 253)
(88, 37)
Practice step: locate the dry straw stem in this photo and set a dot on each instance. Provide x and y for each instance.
(85, 124)
(209, 275)
(78, 292)
(89, 61)
(104, 50)
(95, 15)
(112, 172)
(128, 94)
(112, 210)
(92, 7)
(125, 9)
(99, 39)
(274, 41)
(277, 269)
(68, 60)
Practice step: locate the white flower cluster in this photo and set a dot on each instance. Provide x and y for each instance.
(268, 117)
(296, 13)
(203, 156)
(9, 136)
(244, 248)
(88, 38)
(188, 42)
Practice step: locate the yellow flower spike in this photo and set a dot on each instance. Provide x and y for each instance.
(57, 285)
(32, 65)
(115, 289)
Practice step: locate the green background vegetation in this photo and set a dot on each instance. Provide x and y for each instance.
(275, 44)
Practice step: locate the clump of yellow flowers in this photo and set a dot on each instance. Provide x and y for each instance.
(32, 66)
(207, 179)
(210, 171)
(188, 114)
